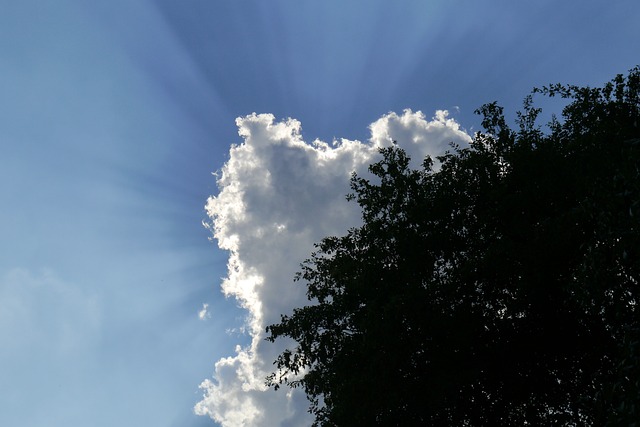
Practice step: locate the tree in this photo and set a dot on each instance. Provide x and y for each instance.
(499, 288)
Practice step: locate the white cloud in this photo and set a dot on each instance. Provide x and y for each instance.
(204, 314)
(418, 136)
(279, 195)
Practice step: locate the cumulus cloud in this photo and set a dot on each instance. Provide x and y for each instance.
(278, 195)
(416, 135)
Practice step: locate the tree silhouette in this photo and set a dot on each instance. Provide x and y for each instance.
(499, 287)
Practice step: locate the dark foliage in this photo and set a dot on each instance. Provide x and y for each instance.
(500, 288)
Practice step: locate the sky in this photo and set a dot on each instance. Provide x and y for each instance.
(165, 166)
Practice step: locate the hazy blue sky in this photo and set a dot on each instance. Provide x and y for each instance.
(113, 116)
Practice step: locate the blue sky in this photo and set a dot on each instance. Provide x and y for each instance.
(113, 116)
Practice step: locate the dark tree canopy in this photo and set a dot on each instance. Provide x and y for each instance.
(499, 288)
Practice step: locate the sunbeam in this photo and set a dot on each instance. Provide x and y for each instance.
(114, 117)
